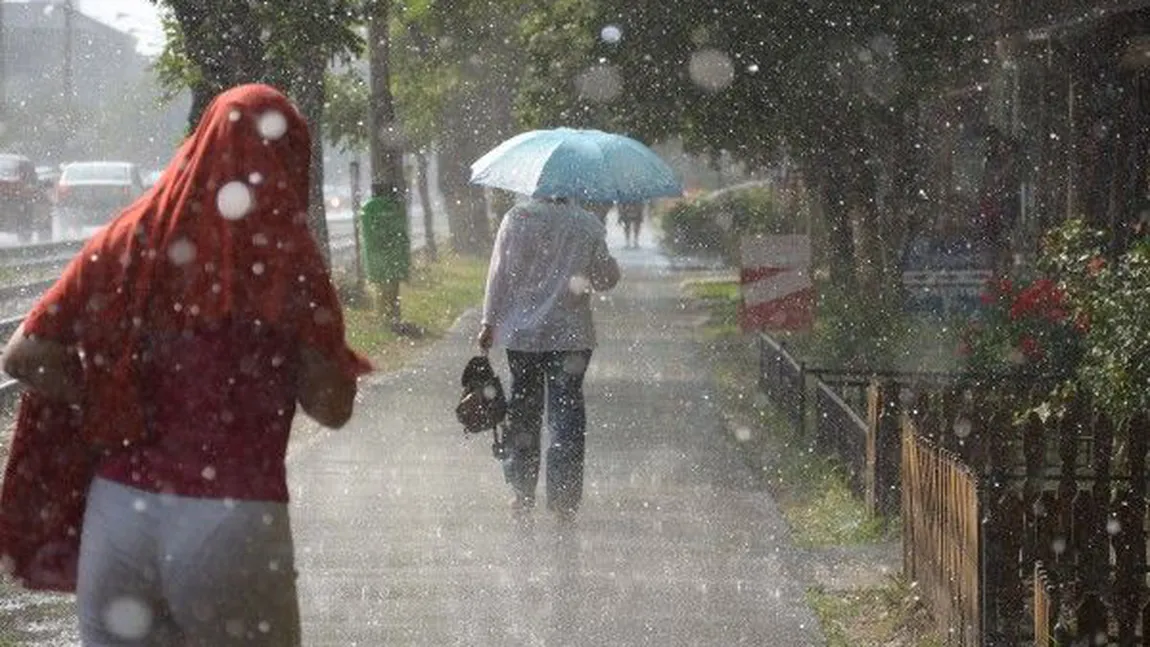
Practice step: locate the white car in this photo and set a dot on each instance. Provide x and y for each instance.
(91, 193)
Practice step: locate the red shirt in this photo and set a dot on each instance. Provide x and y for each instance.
(219, 406)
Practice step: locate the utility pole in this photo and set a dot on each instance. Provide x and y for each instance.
(3, 70)
(69, 91)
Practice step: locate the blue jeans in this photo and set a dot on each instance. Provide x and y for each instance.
(554, 378)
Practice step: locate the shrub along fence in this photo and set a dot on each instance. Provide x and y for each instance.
(853, 416)
(1015, 532)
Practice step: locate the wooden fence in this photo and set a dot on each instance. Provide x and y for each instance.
(1016, 532)
(854, 417)
(1064, 539)
(941, 535)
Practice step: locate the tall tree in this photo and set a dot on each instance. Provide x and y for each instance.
(216, 44)
(835, 84)
(457, 67)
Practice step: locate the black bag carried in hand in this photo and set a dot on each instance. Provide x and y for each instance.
(482, 405)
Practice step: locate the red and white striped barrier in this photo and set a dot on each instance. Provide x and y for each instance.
(775, 280)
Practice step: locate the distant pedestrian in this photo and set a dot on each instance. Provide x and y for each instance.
(631, 217)
(600, 209)
(549, 256)
(164, 369)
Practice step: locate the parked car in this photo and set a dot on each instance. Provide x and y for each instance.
(49, 177)
(24, 206)
(91, 193)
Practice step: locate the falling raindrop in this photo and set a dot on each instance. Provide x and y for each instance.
(234, 200)
(128, 618)
(272, 125)
(711, 69)
(962, 427)
(1113, 526)
(579, 284)
(182, 251)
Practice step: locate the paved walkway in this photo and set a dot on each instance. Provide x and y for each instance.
(405, 537)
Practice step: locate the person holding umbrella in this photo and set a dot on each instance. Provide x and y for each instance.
(550, 255)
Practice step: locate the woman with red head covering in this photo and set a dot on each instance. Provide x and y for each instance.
(147, 468)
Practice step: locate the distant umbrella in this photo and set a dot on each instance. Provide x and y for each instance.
(589, 165)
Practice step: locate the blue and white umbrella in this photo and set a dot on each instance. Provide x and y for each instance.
(588, 165)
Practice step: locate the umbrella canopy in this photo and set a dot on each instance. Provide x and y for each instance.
(589, 165)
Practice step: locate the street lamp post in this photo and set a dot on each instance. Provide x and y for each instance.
(69, 90)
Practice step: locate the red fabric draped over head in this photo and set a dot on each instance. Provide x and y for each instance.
(222, 236)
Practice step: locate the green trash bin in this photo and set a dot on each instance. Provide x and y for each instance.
(386, 247)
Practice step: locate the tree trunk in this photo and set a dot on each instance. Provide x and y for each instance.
(308, 90)
(386, 150)
(466, 209)
(222, 38)
(828, 187)
(423, 182)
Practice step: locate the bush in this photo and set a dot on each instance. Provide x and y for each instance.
(859, 334)
(713, 224)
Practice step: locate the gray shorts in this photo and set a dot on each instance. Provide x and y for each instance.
(158, 570)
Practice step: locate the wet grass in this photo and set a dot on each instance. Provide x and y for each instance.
(887, 616)
(811, 490)
(431, 300)
(34, 619)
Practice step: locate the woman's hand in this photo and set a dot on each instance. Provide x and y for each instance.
(46, 366)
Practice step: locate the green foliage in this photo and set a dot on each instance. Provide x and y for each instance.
(790, 71)
(204, 41)
(690, 229)
(175, 70)
(714, 225)
(1110, 299)
(853, 332)
(346, 110)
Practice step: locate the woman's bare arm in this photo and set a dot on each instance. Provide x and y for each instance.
(46, 366)
(325, 392)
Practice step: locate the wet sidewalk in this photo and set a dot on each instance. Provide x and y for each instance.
(404, 533)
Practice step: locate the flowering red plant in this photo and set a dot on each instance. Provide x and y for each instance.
(1023, 328)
